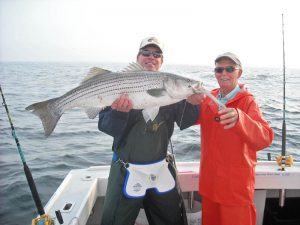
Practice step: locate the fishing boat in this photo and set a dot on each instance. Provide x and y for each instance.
(79, 198)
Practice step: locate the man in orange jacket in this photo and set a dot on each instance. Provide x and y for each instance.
(230, 138)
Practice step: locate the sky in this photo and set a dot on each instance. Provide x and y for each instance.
(193, 31)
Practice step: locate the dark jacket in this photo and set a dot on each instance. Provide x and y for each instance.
(119, 124)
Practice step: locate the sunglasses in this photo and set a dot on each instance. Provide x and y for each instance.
(228, 69)
(147, 53)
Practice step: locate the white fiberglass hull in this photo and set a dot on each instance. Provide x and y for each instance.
(82, 188)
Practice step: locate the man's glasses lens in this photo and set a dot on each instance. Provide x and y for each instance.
(147, 53)
(228, 69)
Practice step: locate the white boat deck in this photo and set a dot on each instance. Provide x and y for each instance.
(76, 196)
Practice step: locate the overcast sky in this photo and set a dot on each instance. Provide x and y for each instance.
(193, 31)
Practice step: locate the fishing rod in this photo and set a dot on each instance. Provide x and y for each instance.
(283, 140)
(283, 160)
(283, 143)
(43, 219)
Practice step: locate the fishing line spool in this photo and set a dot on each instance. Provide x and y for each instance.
(286, 160)
(43, 220)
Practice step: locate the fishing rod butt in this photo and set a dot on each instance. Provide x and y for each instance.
(33, 190)
(281, 198)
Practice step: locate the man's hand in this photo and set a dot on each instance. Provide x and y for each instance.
(196, 99)
(229, 117)
(122, 104)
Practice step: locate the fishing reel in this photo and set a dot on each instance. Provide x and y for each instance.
(43, 220)
(287, 160)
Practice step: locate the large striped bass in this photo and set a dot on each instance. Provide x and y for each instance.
(147, 90)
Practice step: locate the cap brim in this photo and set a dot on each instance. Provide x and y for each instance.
(151, 44)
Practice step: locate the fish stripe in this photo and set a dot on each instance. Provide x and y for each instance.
(129, 83)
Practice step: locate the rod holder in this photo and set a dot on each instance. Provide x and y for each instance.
(281, 197)
(191, 200)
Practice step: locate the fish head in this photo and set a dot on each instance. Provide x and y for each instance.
(180, 87)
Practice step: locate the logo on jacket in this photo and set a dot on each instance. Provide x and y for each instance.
(152, 177)
(137, 187)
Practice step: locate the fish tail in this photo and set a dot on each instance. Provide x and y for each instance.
(47, 114)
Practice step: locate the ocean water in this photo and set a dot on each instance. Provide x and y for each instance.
(77, 143)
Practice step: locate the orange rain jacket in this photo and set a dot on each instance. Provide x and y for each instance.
(228, 157)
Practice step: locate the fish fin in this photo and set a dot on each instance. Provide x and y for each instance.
(157, 92)
(95, 71)
(92, 112)
(150, 113)
(45, 112)
(133, 67)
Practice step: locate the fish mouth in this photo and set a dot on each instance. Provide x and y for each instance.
(197, 85)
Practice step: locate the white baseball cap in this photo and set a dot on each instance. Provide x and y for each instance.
(152, 41)
(230, 56)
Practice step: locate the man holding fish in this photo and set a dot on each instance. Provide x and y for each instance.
(140, 144)
(142, 105)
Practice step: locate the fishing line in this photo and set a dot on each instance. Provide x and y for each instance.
(44, 218)
(183, 210)
(181, 119)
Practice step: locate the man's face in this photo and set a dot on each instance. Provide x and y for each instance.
(150, 59)
(227, 80)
